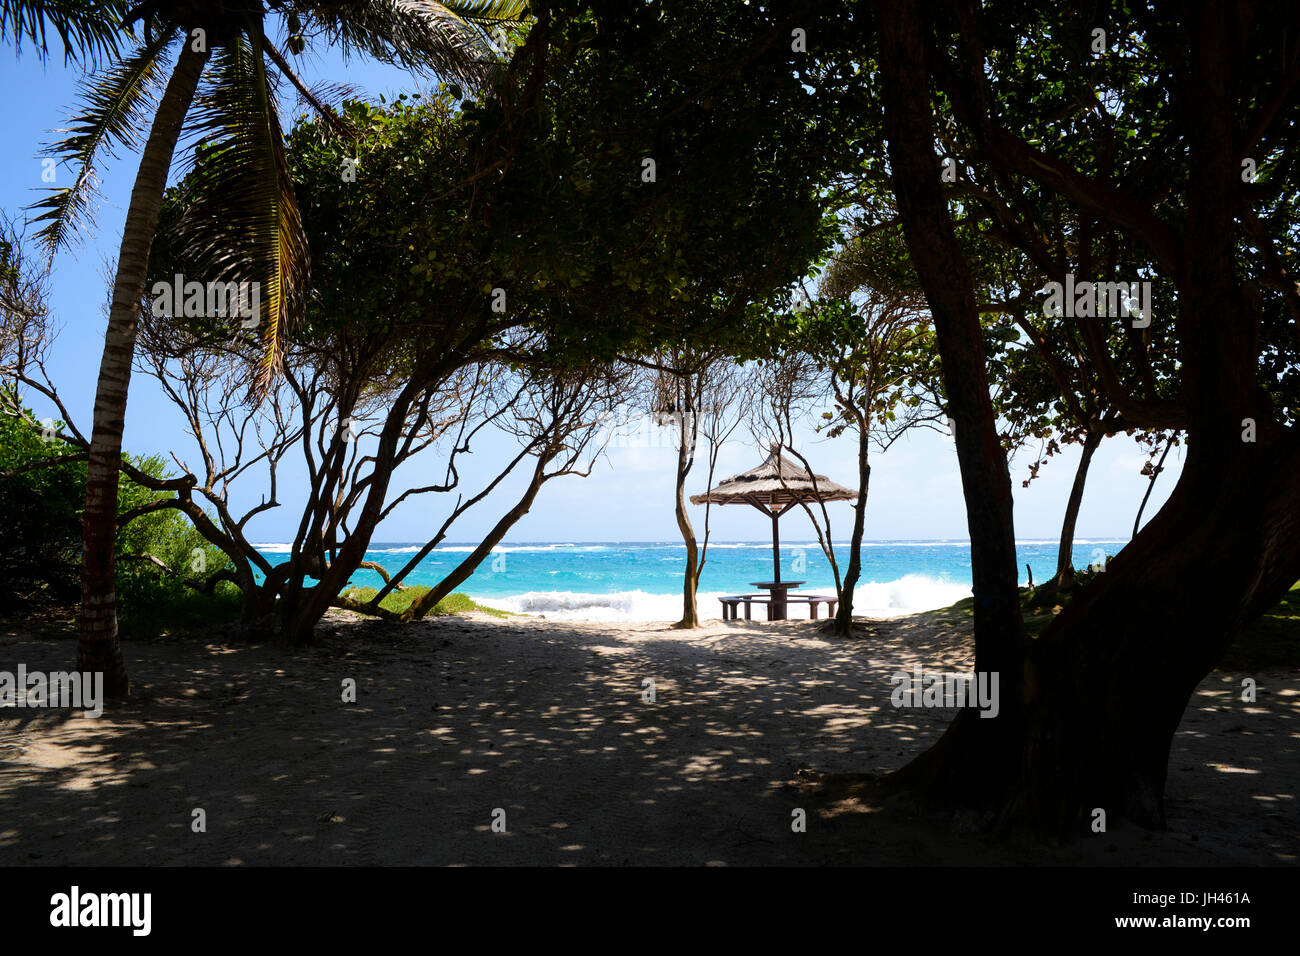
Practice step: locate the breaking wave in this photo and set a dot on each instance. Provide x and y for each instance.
(908, 594)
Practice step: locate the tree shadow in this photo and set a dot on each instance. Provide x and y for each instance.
(552, 730)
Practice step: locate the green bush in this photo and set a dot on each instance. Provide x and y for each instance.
(152, 602)
(40, 527)
(40, 513)
(166, 535)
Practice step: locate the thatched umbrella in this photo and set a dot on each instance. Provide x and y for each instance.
(775, 487)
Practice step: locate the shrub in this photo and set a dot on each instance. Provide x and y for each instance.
(40, 512)
(40, 534)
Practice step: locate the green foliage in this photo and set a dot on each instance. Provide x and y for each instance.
(880, 355)
(151, 602)
(1089, 111)
(396, 252)
(40, 524)
(166, 535)
(1272, 641)
(399, 268)
(429, 204)
(40, 511)
(163, 612)
(243, 222)
(732, 211)
(86, 30)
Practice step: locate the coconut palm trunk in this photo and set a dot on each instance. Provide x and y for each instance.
(98, 648)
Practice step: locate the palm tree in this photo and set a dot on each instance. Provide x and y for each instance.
(223, 82)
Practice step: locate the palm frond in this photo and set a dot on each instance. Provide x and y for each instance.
(87, 30)
(421, 35)
(118, 105)
(241, 221)
(330, 118)
(490, 12)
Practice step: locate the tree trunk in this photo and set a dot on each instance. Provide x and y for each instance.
(1160, 466)
(1095, 700)
(257, 609)
(1113, 673)
(98, 648)
(690, 606)
(844, 616)
(1064, 576)
(987, 754)
(685, 459)
(1065, 552)
(428, 601)
(301, 608)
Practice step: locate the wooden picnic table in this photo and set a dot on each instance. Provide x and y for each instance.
(776, 607)
(731, 604)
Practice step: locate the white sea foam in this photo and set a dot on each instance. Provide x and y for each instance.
(908, 594)
(279, 547)
(576, 606)
(911, 592)
(284, 548)
(500, 549)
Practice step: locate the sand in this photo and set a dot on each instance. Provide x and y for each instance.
(542, 728)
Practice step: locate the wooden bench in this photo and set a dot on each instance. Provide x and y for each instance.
(731, 602)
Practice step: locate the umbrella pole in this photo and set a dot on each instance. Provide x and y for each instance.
(776, 547)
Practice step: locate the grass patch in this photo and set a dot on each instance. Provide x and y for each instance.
(1272, 641)
(399, 601)
(171, 612)
(963, 613)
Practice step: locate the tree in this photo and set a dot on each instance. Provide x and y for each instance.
(559, 420)
(1072, 736)
(634, 194)
(402, 348)
(389, 358)
(669, 221)
(328, 399)
(696, 390)
(246, 189)
(873, 362)
(1046, 391)
(43, 469)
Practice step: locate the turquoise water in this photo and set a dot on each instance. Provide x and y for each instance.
(643, 580)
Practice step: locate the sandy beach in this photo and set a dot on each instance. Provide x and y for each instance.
(460, 718)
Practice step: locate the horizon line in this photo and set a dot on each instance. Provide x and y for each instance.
(755, 541)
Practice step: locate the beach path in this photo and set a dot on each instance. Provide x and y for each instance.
(548, 731)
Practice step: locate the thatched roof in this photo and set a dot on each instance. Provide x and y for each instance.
(774, 485)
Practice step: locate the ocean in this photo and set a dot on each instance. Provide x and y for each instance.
(642, 581)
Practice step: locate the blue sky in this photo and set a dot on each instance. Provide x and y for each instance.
(915, 487)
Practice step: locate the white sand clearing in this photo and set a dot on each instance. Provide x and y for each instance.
(544, 727)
